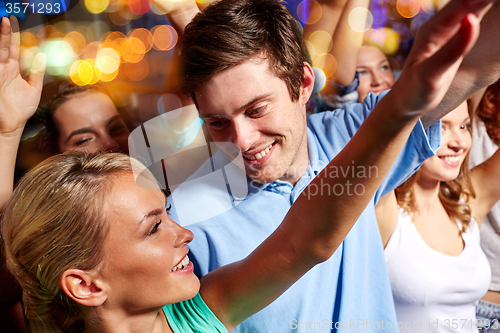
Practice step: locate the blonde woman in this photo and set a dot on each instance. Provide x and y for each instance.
(96, 252)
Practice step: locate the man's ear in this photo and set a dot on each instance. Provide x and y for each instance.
(83, 287)
(308, 85)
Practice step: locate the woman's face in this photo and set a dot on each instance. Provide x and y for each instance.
(456, 141)
(90, 122)
(375, 74)
(144, 248)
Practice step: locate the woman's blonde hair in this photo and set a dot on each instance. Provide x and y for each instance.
(453, 194)
(55, 221)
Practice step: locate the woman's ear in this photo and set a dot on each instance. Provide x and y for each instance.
(83, 287)
(308, 85)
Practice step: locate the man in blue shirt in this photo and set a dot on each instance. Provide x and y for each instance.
(246, 69)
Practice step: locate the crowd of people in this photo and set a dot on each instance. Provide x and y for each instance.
(403, 237)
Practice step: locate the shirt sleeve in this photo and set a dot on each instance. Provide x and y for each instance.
(342, 96)
(334, 129)
(193, 316)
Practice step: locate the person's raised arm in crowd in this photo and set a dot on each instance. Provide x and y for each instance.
(18, 100)
(110, 288)
(479, 68)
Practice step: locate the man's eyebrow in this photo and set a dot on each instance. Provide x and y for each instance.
(78, 131)
(245, 106)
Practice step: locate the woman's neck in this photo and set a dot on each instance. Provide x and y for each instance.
(427, 195)
(120, 321)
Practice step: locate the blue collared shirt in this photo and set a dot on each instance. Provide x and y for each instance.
(351, 290)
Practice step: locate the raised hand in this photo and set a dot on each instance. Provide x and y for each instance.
(437, 53)
(18, 98)
(178, 12)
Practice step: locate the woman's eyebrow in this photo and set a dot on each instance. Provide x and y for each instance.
(78, 131)
(154, 212)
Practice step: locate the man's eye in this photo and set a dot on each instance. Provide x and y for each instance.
(218, 124)
(361, 73)
(256, 111)
(384, 68)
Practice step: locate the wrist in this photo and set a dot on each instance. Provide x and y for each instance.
(12, 136)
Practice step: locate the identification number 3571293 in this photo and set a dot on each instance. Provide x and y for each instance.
(35, 8)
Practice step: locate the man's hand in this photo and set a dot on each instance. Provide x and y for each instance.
(18, 98)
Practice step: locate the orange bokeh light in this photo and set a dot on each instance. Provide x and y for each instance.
(164, 37)
(408, 8)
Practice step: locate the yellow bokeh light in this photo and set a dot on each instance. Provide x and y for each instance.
(108, 60)
(85, 72)
(322, 42)
(408, 8)
(97, 73)
(164, 37)
(360, 19)
(386, 38)
(96, 6)
(313, 8)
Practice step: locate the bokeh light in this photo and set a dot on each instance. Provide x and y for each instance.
(322, 42)
(77, 41)
(428, 6)
(314, 9)
(360, 19)
(327, 63)
(408, 8)
(139, 7)
(108, 60)
(90, 51)
(28, 39)
(59, 56)
(386, 38)
(164, 37)
(137, 71)
(144, 35)
(46, 31)
(96, 6)
(132, 50)
(81, 72)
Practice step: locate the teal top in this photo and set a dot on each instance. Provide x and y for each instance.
(193, 316)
